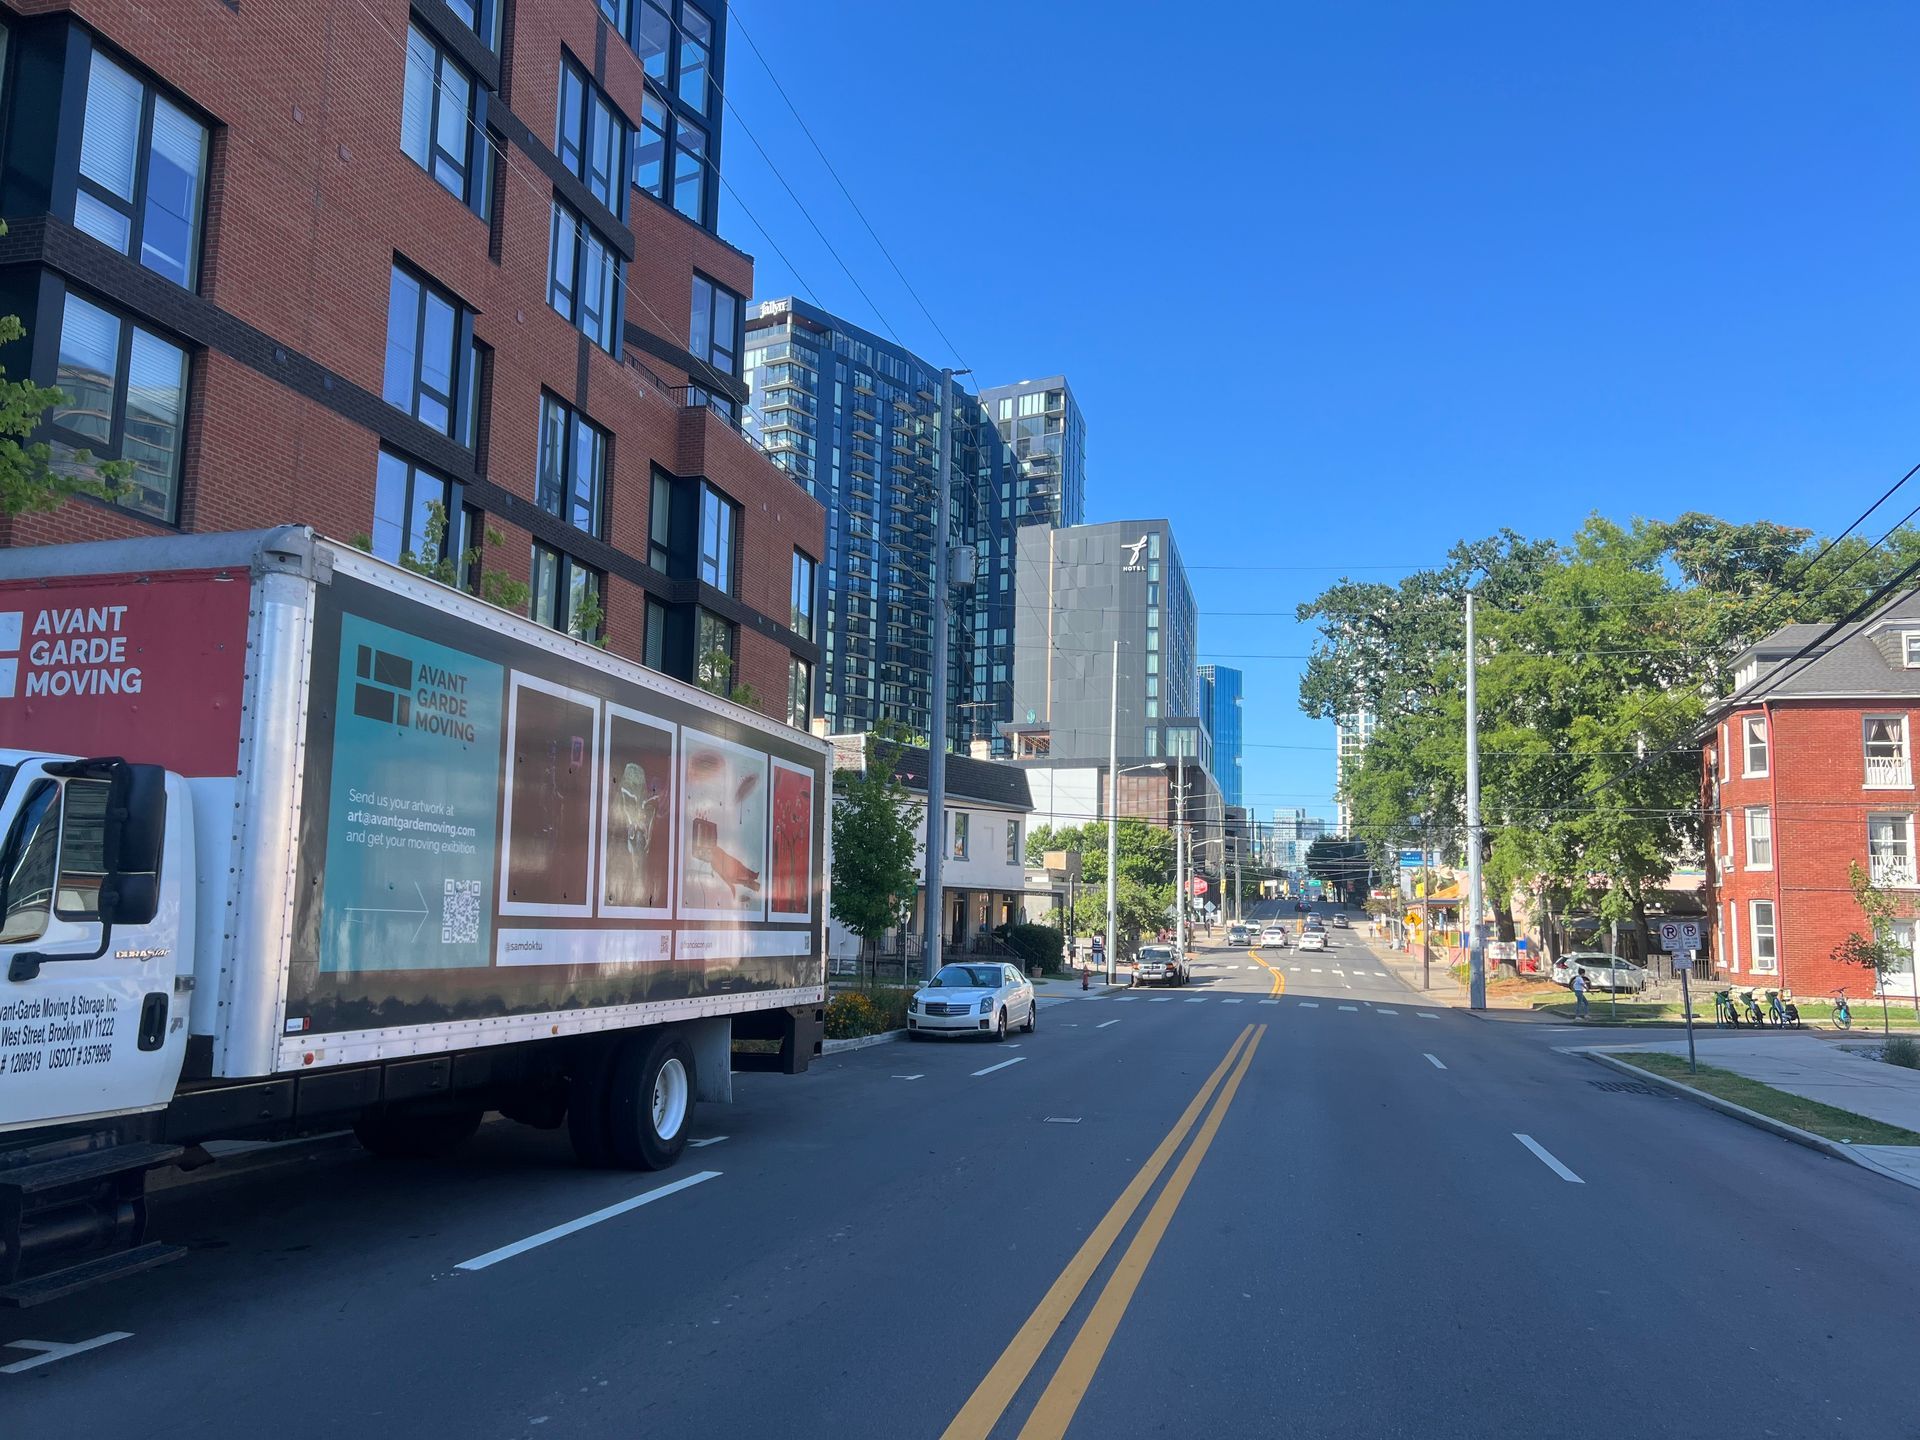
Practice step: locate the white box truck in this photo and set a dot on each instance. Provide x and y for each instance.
(292, 840)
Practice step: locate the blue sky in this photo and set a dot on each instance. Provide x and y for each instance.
(1339, 284)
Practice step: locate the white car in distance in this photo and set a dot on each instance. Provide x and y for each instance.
(1275, 936)
(975, 998)
(1313, 940)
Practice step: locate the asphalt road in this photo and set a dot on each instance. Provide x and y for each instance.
(1265, 1204)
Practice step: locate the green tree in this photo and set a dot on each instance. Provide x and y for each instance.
(1143, 883)
(1876, 949)
(875, 836)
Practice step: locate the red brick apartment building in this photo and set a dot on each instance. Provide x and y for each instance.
(333, 262)
(1809, 765)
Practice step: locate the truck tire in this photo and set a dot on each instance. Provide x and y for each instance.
(650, 1108)
(587, 1105)
(399, 1136)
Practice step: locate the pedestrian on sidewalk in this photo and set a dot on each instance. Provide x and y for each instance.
(1579, 995)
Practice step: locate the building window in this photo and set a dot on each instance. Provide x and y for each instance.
(959, 823)
(1759, 838)
(719, 535)
(440, 126)
(713, 329)
(572, 481)
(418, 517)
(583, 277)
(590, 138)
(660, 525)
(1754, 729)
(801, 601)
(696, 56)
(690, 171)
(480, 16)
(652, 36)
(1013, 842)
(799, 693)
(650, 149)
(1910, 649)
(1885, 739)
(656, 639)
(716, 651)
(1766, 952)
(1890, 849)
(125, 398)
(432, 365)
(567, 596)
(143, 167)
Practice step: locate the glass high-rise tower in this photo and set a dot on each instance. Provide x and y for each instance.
(1220, 687)
(856, 420)
(1041, 423)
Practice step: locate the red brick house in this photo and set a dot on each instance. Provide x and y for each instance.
(1808, 766)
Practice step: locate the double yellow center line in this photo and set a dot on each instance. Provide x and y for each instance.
(1055, 1409)
(1279, 980)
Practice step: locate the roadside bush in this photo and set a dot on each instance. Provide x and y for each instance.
(869, 1010)
(1903, 1051)
(1040, 945)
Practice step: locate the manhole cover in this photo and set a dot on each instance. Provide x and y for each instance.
(1626, 1087)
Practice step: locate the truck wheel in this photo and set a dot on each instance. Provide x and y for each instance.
(650, 1108)
(587, 1105)
(401, 1136)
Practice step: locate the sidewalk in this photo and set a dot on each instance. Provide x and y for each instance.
(1442, 989)
(1815, 1069)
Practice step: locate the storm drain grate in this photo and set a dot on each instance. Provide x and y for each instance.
(1626, 1087)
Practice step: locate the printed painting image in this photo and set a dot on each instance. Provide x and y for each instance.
(789, 882)
(550, 815)
(724, 835)
(639, 814)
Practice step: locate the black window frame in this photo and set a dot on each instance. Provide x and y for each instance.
(574, 312)
(727, 582)
(567, 502)
(654, 641)
(135, 209)
(660, 522)
(802, 618)
(576, 153)
(728, 361)
(476, 155)
(799, 692)
(485, 21)
(114, 446)
(706, 622)
(560, 596)
(463, 525)
(665, 65)
(464, 402)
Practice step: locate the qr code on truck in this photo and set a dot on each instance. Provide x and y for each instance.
(460, 913)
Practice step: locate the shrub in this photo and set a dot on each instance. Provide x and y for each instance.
(1040, 945)
(869, 1010)
(1903, 1051)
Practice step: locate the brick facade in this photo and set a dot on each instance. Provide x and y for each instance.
(1812, 786)
(309, 202)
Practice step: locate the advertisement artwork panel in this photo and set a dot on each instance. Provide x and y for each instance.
(636, 853)
(723, 840)
(552, 738)
(790, 868)
(410, 862)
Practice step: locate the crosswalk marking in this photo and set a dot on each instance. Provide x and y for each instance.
(1160, 1000)
(1269, 1002)
(1196, 1000)
(1125, 999)
(1426, 1015)
(1309, 1004)
(1230, 1002)
(1354, 1008)
(1381, 973)
(1384, 1011)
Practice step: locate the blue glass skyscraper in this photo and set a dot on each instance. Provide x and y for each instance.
(1220, 687)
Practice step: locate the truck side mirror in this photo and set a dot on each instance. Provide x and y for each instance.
(136, 827)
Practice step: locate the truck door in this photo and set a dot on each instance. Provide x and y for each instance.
(87, 1031)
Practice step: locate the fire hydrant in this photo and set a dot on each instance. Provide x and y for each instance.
(1083, 978)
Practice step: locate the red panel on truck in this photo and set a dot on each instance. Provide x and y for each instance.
(149, 666)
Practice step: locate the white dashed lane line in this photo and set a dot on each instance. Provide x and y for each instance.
(1546, 1159)
(1436, 1062)
(1017, 1060)
(560, 1232)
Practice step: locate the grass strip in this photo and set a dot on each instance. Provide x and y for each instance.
(1825, 1120)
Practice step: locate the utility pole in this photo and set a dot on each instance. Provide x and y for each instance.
(1113, 813)
(1476, 949)
(937, 743)
(1180, 856)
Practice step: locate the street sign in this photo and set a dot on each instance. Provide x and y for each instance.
(1413, 918)
(1682, 962)
(1678, 935)
(1199, 885)
(1411, 859)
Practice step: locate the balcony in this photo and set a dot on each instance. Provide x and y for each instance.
(1894, 870)
(1889, 772)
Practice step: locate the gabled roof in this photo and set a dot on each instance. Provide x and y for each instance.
(987, 782)
(1862, 661)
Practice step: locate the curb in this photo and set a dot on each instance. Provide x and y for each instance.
(859, 1042)
(1834, 1148)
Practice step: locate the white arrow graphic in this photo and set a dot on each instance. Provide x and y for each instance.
(376, 910)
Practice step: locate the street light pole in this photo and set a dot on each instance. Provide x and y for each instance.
(1180, 856)
(1113, 812)
(936, 919)
(1476, 950)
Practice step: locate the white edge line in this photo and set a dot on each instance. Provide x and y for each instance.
(1018, 1059)
(1540, 1151)
(558, 1232)
(702, 1144)
(1437, 1063)
(1104, 1023)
